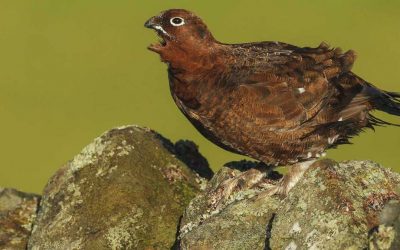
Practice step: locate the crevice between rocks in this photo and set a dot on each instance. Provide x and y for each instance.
(268, 232)
(177, 242)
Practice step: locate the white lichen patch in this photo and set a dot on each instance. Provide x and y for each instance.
(89, 155)
(133, 126)
(30, 219)
(384, 236)
(16, 240)
(120, 237)
(83, 180)
(124, 150)
(302, 204)
(74, 190)
(111, 154)
(245, 194)
(61, 243)
(187, 228)
(314, 247)
(322, 186)
(112, 169)
(198, 221)
(202, 182)
(100, 172)
(292, 246)
(312, 239)
(163, 208)
(311, 234)
(103, 171)
(63, 217)
(295, 228)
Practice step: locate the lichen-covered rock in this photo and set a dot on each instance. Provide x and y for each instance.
(387, 234)
(126, 190)
(17, 212)
(334, 206)
(241, 222)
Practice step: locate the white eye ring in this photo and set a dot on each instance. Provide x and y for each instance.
(177, 21)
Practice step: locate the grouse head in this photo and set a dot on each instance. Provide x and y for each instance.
(181, 34)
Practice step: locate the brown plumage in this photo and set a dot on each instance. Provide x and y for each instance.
(272, 101)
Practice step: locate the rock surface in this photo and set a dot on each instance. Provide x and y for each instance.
(240, 222)
(130, 187)
(387, 234)
(17, 212)
(335, 206)
(126, 190)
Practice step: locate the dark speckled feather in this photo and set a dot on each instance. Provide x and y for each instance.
(272, 101)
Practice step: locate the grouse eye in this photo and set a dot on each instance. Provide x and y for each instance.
(177, 21)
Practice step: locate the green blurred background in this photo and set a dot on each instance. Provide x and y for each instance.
(69, 70)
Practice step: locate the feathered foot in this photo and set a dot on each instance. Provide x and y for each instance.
(257, 177)
(289, 180)
(243, 181)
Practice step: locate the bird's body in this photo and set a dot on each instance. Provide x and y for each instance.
(275, 102)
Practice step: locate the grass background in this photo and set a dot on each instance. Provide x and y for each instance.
(69, 70)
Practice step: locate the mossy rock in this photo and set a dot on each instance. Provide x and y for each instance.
(126, 190)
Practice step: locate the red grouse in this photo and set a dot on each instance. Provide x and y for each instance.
(275, 102)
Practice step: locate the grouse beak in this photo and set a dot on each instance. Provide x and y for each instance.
(150, 23)
(154, 24)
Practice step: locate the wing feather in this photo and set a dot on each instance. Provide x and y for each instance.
(291, 86)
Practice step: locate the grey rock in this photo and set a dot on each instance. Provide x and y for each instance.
(241, 222)
(126, 190)
(387, 234)
(335, 206)
(129, 188)
(17, 212)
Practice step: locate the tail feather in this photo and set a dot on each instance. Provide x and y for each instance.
(375, 121)
(394, 95)
(385, 101)
(389, 103)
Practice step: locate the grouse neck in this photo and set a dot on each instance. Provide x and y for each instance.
(192, 58)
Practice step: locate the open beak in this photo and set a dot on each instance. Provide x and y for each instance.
(155, 24)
